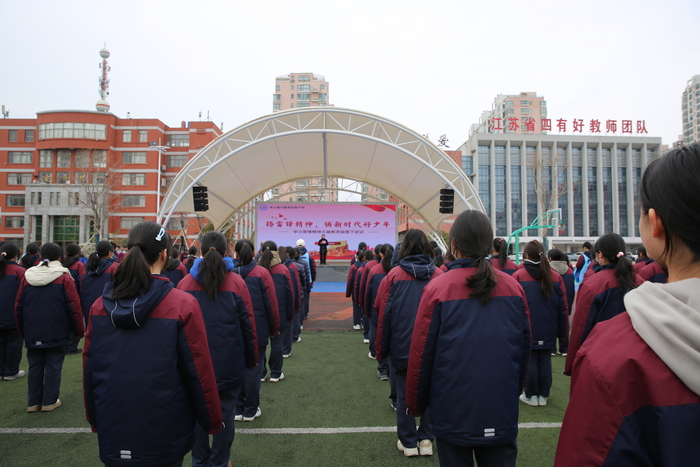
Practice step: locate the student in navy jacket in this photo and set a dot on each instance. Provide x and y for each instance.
(306, 284)
(635, 393)
(469, 352)
(11, 275)
(599, 297)
(191, 258)
(397, 303)
(653, 272)
(350, 289)
(175, 270)
(560, 263)
(231, 331)
(71, 261)
(359, 292)
(499, 258)
(31, 256)
(266, 311)
(287, 254)
(147, 373)
(642, 259)
(47, 311)
(374, 279)
(549, 318)
(99, 270)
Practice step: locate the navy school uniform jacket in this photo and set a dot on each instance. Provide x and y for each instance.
(77, 271)
(509, 268)
(374, 279)
(363, 285)
(653, 272)
(296, 283)
(352, 277)
(94, 282)
(598, 301)
(468, 361)
(175, 272)
(397, 301)
(641, 263)
(304, 275)
(263, 298)
(47, 307)
(148, 376)
(548, 316)
(32, 260)
(9, 285)
(283, 288)
(360, 276)
(230, 322)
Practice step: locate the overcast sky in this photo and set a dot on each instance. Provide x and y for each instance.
(432, 66)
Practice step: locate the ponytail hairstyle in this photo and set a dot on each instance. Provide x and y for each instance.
(32, 249)
(534, 251)
(501, 247)
(101, 251)
(72, 253)
(212, 270)
(612, 247)
(267, 247)
(244, 250)
(378, 250)
(439, 260)
(291, 253)
(282, 251)
(8, 252)
(415, 243)
(146, 241)
(191, 256)
(50, 252)
(472, 235)
(388, 252)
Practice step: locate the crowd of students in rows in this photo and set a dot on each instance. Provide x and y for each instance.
(167, 343)
(464, 341)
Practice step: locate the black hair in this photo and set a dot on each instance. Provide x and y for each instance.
(244, 250)
(433, 244)
(439, 260)
(192, 255)
(612, 247)
(641, 250)
(72, 255)
(557, 255)
(146, 241)
(472, 235)
(388, 252)
(587, 245)
(362, 246)
(670, 186)
(369, 255)
(500, 246)
(102, 250)
(212, 270)
(535, 252)
(378, 250)
(266, 258)
(32, 249)
(415, 243)
(50, 252)
(292, 253)
(8, 252)
(282, 251)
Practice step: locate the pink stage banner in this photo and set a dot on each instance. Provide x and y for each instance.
(345, 225)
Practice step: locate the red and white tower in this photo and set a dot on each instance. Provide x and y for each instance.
(102, 105)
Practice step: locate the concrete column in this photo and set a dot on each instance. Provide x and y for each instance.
(45, 228)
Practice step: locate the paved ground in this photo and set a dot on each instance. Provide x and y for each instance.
(329, 310)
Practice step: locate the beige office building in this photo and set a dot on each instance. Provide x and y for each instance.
(520, 114)
(691, 111)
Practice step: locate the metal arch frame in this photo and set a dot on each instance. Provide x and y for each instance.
(232, 143)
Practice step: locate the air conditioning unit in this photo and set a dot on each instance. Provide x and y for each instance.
(163, 168)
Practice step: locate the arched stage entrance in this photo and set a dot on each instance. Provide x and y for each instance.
(321, 142)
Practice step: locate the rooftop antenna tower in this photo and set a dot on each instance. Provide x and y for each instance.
(102, 105)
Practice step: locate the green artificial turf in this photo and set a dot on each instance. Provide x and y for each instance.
(329, 383)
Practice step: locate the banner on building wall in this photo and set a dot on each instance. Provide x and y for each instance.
(345, 225)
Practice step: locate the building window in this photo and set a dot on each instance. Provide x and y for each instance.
(12, 136)
(63, 161)
(14, 222)
(177, 161)
(66, 228)
(62, 177)
(276, 97)
(178, 141)
(322, 96)
(133, 179)
(46, 158)
(525, 102)
(525, 111)
(134, 157)
(174, 224)
(127, 223)
(14, 200)
(28, 136)
(509, 104)
(45, 177)
(82, 177)
(323, 87)
(143, 136)
(304, 104)
(275, 106)
(277, 87)
(304, 78)
(19, 178)
(73, 130)
(19, 157)
(304, 88)
(292, 96)
(99, 178)
(82, 158)
(99, 158)
(303, 97)
(126, 136)
(134, 201)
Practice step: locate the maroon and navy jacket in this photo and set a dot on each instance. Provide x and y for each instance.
(352, 275)
(397, 304)
(549, 317)
(509, 268)
(363, 285)
(148, 376)
(31, 260)
(653, 272)
(263, 297)
(282, 279)
(175, 271)
(598, 299)
(230, 322)
(9, 285)
(374, 279)
(627, 408)
(47, 307)
(297, 292)
(641, 263)
(77, 271)
(468, 361)
(360, 276)
(94, 281)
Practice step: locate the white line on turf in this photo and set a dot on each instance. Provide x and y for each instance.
(264, 431)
